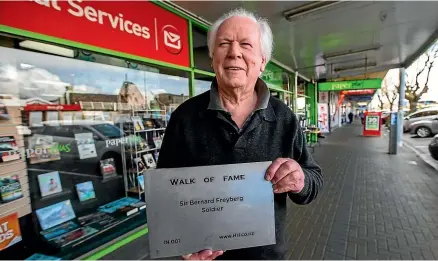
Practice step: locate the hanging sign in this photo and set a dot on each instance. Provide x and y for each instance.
(273, 75)
(350, 85)
(10, 233)
(139, 28)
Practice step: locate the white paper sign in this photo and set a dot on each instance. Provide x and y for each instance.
(86, 147)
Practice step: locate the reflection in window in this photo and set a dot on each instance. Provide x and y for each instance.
(58, 80)
(202, 83)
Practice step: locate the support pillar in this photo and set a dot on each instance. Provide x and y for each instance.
(295, 91)
(401, 106)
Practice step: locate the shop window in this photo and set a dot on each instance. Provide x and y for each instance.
(200, 50)
(202, 83)
(68, 108)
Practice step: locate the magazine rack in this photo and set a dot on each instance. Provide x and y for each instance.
(10, 126)
(146, 134)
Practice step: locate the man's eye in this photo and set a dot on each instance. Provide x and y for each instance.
(246, 44)
(224, 43)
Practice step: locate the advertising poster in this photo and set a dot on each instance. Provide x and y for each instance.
(10, 232)
(86, 146)
(323, 117)
(372, 123)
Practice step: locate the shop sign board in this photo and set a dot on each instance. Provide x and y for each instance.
(10, 233)
(54, 107)
(350, 85)
(359, 92)
(139, 28)
(372, 124)
(273, 75)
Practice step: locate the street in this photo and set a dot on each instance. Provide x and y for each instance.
(420, 147)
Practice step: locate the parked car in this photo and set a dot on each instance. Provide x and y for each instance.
(433, 147)
(425, 128)
(423, 114)
(64, 133)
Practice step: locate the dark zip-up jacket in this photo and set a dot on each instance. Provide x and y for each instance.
(201, 133)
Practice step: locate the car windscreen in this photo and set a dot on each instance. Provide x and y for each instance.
(108, 130)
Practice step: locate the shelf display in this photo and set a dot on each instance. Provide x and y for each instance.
(50, 183)
(55, 214)
(73, 236)
(148, 127)
(56, 231)
(85, 191)
(115, 205)
(8, 149)
(10, 188)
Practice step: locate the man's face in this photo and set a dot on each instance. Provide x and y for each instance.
(237, 56)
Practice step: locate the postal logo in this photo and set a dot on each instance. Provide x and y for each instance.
(172, 39)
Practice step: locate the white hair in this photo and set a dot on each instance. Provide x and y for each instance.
(266, 38)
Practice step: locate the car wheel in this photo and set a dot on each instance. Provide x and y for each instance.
(423, 132)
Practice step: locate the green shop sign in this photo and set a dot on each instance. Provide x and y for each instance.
(273, 76)
(350, 85)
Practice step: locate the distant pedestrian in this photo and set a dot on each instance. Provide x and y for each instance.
(350, 117)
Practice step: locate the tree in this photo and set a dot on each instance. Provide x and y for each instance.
(391, 95)
(418, 84)
(380, 96)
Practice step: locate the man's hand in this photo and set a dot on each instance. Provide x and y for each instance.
(286, 175)
(203, 255)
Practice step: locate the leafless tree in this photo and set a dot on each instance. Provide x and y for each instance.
(380, 96)
(414, 89)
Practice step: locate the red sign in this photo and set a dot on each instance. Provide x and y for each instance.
(358, 92)
(372, 125)
(54, 107)
(10, 233)
(139, 28)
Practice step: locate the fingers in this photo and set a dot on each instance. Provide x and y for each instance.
(285, 169)
(203, 255)
(216, 254)
(270, 172)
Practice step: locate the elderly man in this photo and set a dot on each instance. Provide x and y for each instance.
(238, 122)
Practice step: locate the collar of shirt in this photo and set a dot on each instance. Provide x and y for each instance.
(263, 105)
(261, 89)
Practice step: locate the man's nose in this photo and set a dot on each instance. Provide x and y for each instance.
(234, 50)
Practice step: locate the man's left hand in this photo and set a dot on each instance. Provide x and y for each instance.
(286, 175)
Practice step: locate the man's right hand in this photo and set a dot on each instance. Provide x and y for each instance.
(203, 255)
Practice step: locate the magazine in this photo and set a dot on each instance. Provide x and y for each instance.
(10, 188)
(50, 183)
(86, 146)
(42, 149)
(150, 162)
(115, 205)
(138, 123)
(73, 236)
(140, 180)
(55, 214)
(108, 168)
(9, 149)
(53, 232)
(85, 191)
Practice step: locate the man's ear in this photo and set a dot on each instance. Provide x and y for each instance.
(263, 65)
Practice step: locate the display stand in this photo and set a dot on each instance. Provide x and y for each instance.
(144, 144)
(372, 126)
(15, 164)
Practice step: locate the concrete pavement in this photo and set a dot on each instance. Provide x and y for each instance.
(374, 205)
